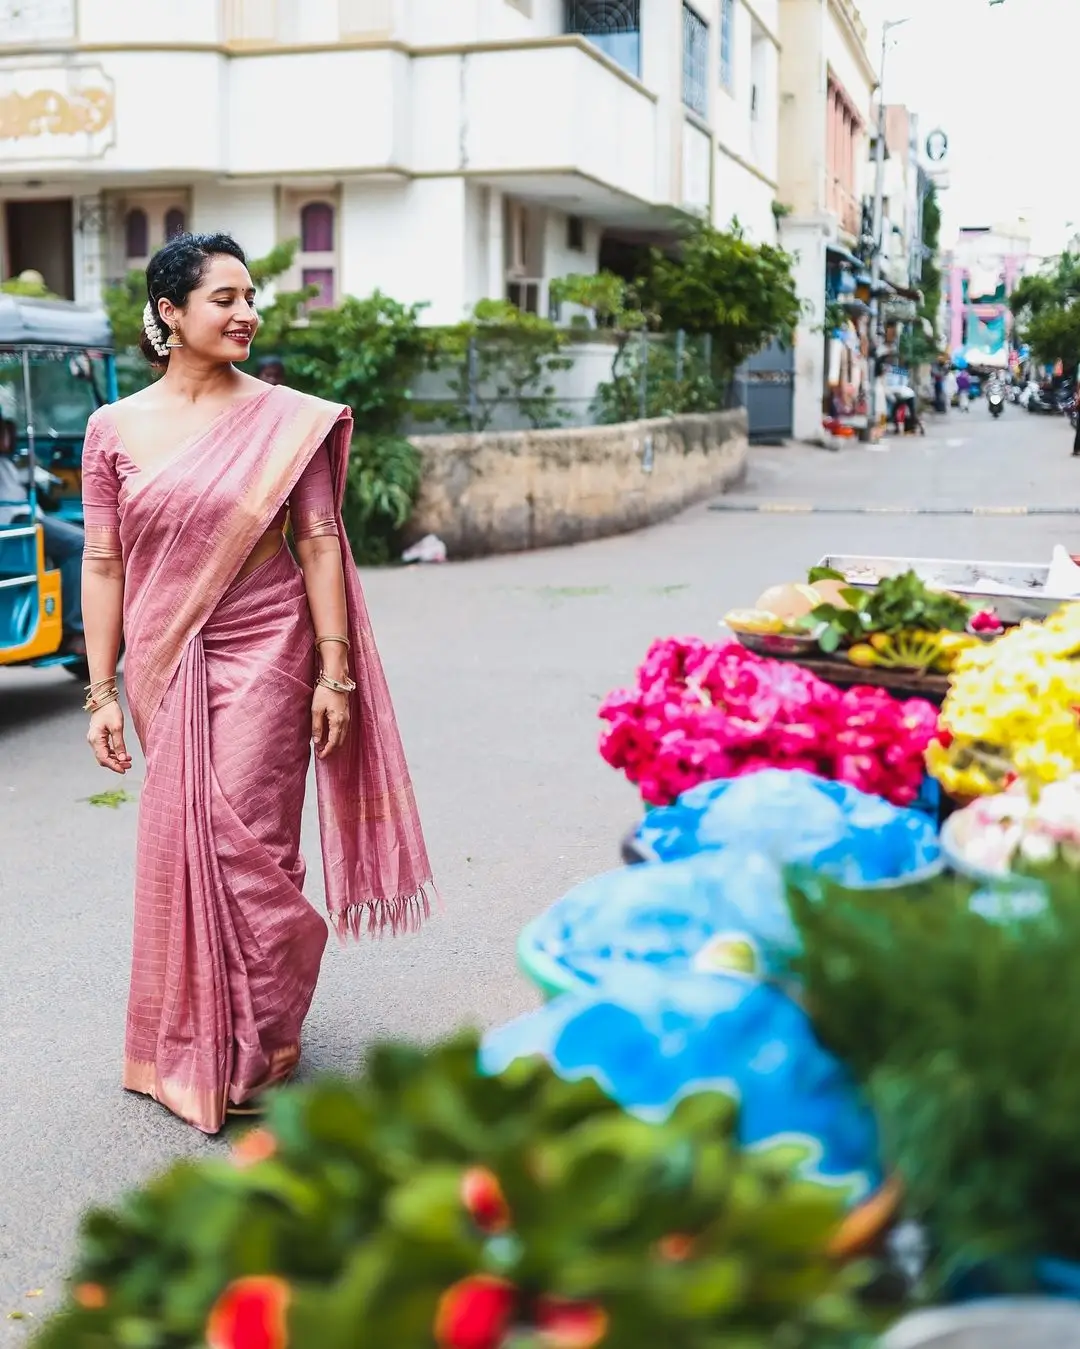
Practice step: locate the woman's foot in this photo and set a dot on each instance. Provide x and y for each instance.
(252, 1109)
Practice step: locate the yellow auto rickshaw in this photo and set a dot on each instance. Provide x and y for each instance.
(56, 366)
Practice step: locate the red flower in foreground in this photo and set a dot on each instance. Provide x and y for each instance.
(475, 1313)
(484, 1200)
(675, 1247)
(259, 1145)
(250, 1314)
(570, 1325)
(91, 1296)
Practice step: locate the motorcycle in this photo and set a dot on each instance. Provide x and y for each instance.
(995, 400)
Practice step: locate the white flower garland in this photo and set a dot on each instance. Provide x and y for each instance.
(153, 332)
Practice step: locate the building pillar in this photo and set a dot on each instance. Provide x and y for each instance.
(90, 245)
(805, 237)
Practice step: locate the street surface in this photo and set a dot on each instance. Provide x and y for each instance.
(498, 668)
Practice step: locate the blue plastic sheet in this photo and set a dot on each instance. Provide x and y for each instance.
(649, 1039)
(795, 817)
(669, 914)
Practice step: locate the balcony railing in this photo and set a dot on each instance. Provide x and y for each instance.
(845, 206)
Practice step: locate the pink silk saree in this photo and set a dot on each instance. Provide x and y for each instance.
(219, 674)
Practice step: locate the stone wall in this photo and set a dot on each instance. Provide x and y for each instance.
(509, 491)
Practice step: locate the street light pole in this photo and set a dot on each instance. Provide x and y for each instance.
(879, 221)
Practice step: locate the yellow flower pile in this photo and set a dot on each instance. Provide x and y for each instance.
(1012, 710)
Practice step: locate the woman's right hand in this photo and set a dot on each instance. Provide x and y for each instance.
(106, 738)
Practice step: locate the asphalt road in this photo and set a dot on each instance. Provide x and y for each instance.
(498, 668)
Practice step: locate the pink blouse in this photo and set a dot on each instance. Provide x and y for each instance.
(106, 468)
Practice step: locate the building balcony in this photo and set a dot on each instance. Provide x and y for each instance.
(558, 114)
(843, 204)
(544, 118)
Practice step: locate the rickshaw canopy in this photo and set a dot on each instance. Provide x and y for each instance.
(25, 321)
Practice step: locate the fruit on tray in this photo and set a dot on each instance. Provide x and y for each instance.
(790, 601)
(911, 650)
(755, 622)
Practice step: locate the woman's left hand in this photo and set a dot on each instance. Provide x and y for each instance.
(330, 713)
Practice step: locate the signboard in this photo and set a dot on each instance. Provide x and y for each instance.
(937, 146)
(56, 112)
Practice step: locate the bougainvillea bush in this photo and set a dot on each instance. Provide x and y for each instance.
(699, 712)
(427, 1207)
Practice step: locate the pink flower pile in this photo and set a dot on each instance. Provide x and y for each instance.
(700, 712)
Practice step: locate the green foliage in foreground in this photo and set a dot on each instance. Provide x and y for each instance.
(354, 1199)
(960, 1015)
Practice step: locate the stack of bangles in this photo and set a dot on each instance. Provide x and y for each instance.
(345, 685)
(100, 694)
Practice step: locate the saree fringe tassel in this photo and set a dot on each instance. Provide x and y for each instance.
(398, 916)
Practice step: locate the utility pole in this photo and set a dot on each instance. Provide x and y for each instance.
(879, 224)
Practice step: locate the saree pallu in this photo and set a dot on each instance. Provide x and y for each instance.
(219, 674)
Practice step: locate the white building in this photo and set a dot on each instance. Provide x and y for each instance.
(441, 150)
(904, 187)
(826, 86)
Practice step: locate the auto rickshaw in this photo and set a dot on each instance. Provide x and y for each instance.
(57, 366)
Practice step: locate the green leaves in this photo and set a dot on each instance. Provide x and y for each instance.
(944, 1016)
(896, 604)
(361, 1210)
(384, 477)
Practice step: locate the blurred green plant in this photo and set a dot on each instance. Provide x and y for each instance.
(31, 285)
(501, 355)
(426, 1205)
(955, 1013)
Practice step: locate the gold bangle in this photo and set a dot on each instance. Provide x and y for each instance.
(95, 702)
(336, 685)
(101, 684)
(343, 640)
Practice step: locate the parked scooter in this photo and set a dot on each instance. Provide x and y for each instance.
(995, 397)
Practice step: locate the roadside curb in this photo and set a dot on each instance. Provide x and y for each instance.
(808, 508)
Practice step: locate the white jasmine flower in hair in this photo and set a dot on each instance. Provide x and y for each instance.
(153, 332)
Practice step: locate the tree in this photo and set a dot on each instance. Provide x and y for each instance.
(718, 284)
(1047, 310)
(916, 347)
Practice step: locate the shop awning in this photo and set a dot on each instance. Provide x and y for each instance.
(842, 255)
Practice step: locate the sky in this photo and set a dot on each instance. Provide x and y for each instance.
(1003, 82)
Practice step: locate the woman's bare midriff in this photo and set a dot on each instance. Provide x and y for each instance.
(263, 551)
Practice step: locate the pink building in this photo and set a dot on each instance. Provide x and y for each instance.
(983, 272)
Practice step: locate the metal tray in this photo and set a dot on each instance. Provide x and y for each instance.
(1015, 589)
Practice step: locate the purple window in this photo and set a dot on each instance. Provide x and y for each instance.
(323, 277)
(175, 222)
(136, 234)
(317, 228)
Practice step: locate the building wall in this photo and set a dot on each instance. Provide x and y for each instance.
(802, 126)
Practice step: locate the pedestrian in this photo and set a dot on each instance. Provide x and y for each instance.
(271, 370)
(238, 658)
(63, 541)
(963, 390)
(1076, 418)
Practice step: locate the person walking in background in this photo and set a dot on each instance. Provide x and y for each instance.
(271, 370)
(963, 390)
(238, 658)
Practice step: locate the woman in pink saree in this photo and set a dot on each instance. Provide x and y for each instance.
(237, 658)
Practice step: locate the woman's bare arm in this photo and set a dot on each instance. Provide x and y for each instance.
(324, 580)
(103, 614)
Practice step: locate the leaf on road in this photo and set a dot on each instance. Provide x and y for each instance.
(114, 800)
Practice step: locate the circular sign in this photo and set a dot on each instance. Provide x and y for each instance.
(937, 146)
